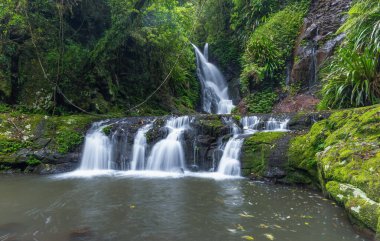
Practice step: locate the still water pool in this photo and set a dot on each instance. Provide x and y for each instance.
(134, 206)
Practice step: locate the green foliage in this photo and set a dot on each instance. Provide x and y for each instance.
(353, 77)
(247, 15)
(270, 46)
(68, 140)
(33, 161)
(4, 108)
(115, 53)
(10, 146)
(261, 102)
(363, 25)
(107, 130)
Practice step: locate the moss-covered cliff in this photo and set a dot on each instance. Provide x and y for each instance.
(342, 153)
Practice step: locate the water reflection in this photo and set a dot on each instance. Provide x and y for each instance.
(188, 208)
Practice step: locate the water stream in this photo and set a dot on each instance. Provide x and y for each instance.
(229, 163)
(97, 150)
(139, 148)
(168, 154)
(215, 96)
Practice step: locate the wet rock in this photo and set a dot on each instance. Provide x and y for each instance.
(205, 140)
(315, 43)
(275, 173)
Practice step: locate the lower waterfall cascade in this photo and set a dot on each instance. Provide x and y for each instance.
(229, 163)
(97, 150)
(169, 152)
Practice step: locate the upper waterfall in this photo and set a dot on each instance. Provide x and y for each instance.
(215, 97)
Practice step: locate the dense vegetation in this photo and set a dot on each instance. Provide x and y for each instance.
(353, 77)
(118, 52)
(115, 53)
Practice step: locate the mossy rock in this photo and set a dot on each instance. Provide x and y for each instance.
(356, 202)
(257, 149)
(211, 125)
(345, 150)
(61, 134)
(155, 133)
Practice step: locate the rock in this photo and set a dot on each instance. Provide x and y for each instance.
(42, 142)
(314, 45)
(274, 173)
(205, 140)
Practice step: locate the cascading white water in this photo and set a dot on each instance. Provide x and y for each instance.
(139, 147)
(97, 153)
(276, 125)
(215, 98)
(250, 124)
(168, 154)
(229, 163)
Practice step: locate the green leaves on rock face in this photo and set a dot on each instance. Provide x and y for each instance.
(353, 77)
(269, 47)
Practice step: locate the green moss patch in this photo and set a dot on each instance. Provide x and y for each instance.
(344, 150)
(257, 149)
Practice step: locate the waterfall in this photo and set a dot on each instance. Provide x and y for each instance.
(276, 125)
(139, 146)
(97, 151)
(215, 98)
(229, 163)
(250, 124)
(168, 154)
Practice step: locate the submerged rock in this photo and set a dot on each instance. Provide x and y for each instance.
(81, 234)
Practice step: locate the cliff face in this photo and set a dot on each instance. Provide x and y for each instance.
(318, 40)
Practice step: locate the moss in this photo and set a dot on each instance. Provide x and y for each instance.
(237, 118)
(297, 177)
(33, 161)
(19, 130)
(355, 201)
(344, 150)
(303, 149)
(107, 130)
(154, 133)
(211, 125)
(257, 149)
(67, 140)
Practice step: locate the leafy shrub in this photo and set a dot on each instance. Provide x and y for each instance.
(4, 108)
(33, 161)
(353, 77)
(269, 47)
(9, 146)
(261, 102)
(67, 140)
